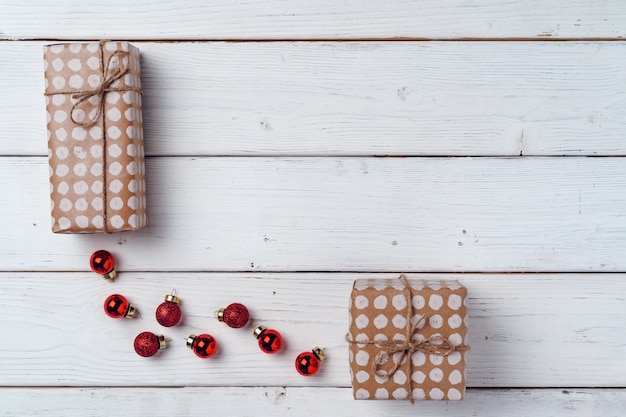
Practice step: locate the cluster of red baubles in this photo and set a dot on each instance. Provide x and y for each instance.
(169, 314)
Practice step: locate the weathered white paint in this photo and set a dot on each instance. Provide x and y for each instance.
(319, 19)
(343, 214)
(362, 98)
(301, 402)
(278, 206)
(526, 330)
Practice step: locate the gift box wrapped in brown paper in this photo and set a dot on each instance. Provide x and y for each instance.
(407, 340)
(95, 137)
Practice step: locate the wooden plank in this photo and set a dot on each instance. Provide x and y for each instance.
(322, 19)
(362, 98)
(526, 330)
(342, 214)
(294, 402)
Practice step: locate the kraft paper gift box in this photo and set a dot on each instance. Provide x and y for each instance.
(407, 339)
(95, 137)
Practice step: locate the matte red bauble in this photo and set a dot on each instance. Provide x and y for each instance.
(103, 263)
(117, 306)
(236, 315)
(204, 345)
(270, 341)
(148, 344)
(168, 313)
(308, 363)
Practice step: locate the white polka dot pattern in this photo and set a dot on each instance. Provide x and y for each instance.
(379, 311)
(91, 174)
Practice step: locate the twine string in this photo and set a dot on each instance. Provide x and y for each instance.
(434, 345)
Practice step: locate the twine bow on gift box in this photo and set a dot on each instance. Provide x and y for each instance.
(110, 71)
(434, 345)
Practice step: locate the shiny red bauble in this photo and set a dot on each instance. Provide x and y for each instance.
(308, 363)
(148, 344)
(117, 306)
(204, 345)
(270, 341)
(168, 313)
(236, 315)
(103, 263)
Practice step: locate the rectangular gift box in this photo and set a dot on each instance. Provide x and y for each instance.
(95, 137)
(407, 340)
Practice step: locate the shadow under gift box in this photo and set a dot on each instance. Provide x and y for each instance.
(95, 137)
(407, 340)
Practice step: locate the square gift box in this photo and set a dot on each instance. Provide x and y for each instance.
(95, 137)
(407, 339)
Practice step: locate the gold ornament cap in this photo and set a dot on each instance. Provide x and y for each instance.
(258, 330)
(162, 341)
(190, 340)
(110, 276)
(132, 311)
(171, 298)
(319, 353)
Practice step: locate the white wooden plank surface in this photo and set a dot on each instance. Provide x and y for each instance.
(320, 19)
(363, 98)
(342, 214)
(279, 401)
(260, 160)
(527, 330)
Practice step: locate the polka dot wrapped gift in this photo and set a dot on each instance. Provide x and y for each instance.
(95, 137)
(407, 341)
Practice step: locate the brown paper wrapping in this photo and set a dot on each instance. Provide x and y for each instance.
(95, 137)
(379, 309)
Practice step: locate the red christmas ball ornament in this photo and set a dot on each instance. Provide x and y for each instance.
(168, 313)
(103, 263)
(236, 315)
(270, 341)
(204, 345)
(148, 344)
(117, 306)
(308, 363)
